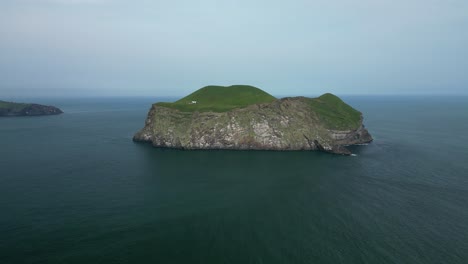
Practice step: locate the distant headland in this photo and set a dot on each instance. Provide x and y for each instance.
(244, 117)
(22, 109)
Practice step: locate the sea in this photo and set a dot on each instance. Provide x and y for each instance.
(75, 188)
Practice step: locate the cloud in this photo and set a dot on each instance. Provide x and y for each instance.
(348, 46)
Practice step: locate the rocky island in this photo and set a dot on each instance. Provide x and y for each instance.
(244, 117)
(21, 109)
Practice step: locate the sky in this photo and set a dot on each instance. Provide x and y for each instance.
(171, 48)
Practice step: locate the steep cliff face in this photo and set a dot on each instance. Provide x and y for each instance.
(297, 123)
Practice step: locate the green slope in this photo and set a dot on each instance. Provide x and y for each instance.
(331, 110)
(335, 113)
(13, 106)
(221, 98)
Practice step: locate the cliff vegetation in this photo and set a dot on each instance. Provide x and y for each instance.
(245, 117)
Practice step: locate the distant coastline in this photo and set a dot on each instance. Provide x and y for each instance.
(11, 109)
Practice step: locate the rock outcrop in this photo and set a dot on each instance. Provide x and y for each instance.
(284, 124)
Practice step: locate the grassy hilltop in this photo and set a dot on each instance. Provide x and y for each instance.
(221, 98)
(331, 110)
(13, 106)
(335, 113)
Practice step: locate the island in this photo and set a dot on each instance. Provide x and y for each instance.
(22, 109)
(242, 117)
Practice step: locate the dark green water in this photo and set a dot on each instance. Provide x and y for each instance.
(74, 188)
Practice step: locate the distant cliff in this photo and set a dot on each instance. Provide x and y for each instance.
(325, 123)
(20, 109)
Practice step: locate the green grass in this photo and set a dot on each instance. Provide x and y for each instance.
(331, 110)
(221, 99)
(12, 106)
(335, 113)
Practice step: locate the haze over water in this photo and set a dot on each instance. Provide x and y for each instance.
(74, 188)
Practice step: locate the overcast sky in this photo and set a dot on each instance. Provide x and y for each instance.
(164, 48)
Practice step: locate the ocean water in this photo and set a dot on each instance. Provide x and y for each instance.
(74, 188)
